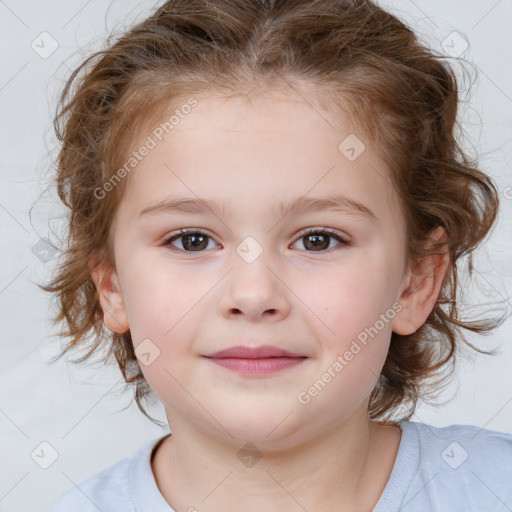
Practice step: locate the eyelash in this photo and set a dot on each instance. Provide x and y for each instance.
(191, 231)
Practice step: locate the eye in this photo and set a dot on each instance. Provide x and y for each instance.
(318, 239)
(191, 240)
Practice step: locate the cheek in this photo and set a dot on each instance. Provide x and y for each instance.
(351, 304)
(157, 298)
(164, 307)
(163, 323)
(352, 293)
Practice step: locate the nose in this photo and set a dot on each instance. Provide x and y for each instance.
(255, 292)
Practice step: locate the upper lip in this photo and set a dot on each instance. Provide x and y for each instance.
(246, 352)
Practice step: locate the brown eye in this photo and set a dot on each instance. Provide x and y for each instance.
(190, 241)
(318, 240)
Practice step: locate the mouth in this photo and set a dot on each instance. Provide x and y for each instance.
(262, 360)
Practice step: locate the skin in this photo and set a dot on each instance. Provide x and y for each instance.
(324, 455)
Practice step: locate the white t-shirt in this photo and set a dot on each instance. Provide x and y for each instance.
(437, 469)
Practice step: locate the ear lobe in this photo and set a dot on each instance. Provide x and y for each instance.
(110, 297)
(420, 295)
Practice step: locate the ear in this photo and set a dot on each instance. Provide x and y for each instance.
(422, 288)
(110, 297)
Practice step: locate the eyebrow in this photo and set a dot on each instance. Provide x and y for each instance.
(301, 205)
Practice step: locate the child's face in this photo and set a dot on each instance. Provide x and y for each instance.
(311, 302)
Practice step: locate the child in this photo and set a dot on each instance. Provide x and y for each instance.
(267, 209)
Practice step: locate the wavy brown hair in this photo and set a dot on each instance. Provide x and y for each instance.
(365, 63)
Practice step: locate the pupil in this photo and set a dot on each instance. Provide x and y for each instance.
(196, 241)
(317, 240)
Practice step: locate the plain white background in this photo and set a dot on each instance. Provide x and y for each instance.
(82, 412)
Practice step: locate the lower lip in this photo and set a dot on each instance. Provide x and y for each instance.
(257, 366)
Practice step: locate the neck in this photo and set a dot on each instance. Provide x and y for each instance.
(341, 469)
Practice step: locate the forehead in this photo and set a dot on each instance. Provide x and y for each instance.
(256, 151)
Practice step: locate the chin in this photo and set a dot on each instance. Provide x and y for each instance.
(270, 432)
